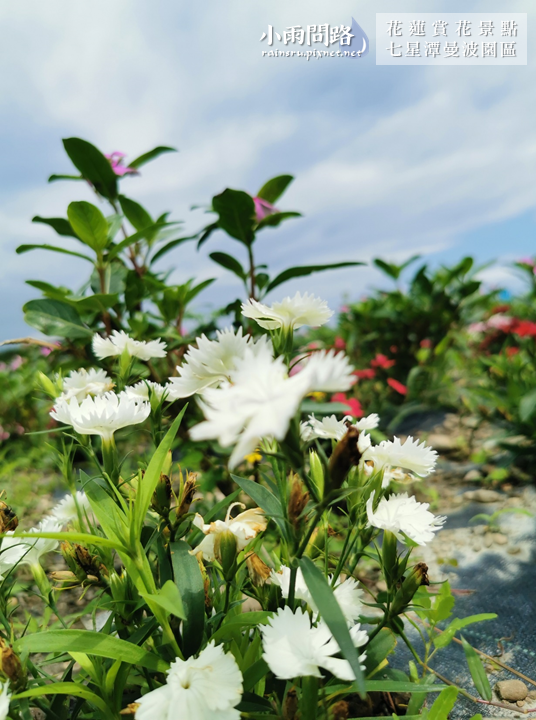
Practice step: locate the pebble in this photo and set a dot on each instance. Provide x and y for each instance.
(442, 443)
(477, 546)
(499, 539)
(483, 495)
(381, 586)
(531, 694)
(520, 703)
(513, 550)
(488, 540)
(480, 529)
(472, 475)
(512, 690)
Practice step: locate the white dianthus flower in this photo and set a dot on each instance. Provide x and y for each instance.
(25, 551)
(329, 428)
(211, 362)
(293, 648)
(66, 510)
(101, 415)
(81, 383)
(204, 688)
(5, 697)
(403, 515)
(244, 527)
(411, 456)
(144, 389)
(119, 342)
(290, 313)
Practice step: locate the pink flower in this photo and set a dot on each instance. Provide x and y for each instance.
(353, 404)
(263, 208)
(345, 309)
(499, 321)
(16, 362)
(45, 351)
(402, 389)
(4, 435)
(366, 374)
(339, 343)
(116, 161)
(382, 361)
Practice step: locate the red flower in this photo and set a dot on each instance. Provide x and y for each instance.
(393, 349)
(339, 343)
(353, 404)
(510, 351)
(499, 309)
(402, 389)
(426, 343)
(366, 374)
(382, 361)
(524, 328)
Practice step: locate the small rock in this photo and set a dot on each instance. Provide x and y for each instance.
(37, 714)
(483, 495)
(457, 500)
(250, 605)
(381, 586)
(520, 703)
(480, 529)
(513, 550)
(512, 690)
(477, 546)
(531, 695)
(499, 539)
(442, 443)
(473, 475)
(471, 422)
(488, 540)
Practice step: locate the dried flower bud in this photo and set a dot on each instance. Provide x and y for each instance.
(290, 708)
(11, 667)
(8, 519)
(259, 572)
(130, 709)
(341, 710)
(297, 502)
(89, 563)
(345, 455)
(186, 495)
(161, 500)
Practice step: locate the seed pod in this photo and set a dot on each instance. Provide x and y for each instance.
(226, 551)
(161, 500)
(186, 495)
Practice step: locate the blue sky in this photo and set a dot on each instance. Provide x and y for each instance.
(389, 161)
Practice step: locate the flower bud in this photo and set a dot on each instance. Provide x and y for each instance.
(404, 595)
(317, 473)
(51, 389)
(225, 549)
(345, 455)
(186, 495)
(161, 500)
(390, 559)
(297, 503)
(11, 667)
(8, 519)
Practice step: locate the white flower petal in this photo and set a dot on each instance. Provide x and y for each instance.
(290, 313)
(402, 514)
(119, 341)
(101, 415)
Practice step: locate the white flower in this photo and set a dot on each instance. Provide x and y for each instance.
(348, 593)
(140, 391)
(211, 362)
(101, 415)
(411, 456)
(327, 372)
(25, 551)
(81, 383)
(5, 697)
(120, 342)
(331, 428)
(204, 688)
(66, 510)
(293, 648)
(402, 514)
(244, 527)
(262, 400)
(290, 313)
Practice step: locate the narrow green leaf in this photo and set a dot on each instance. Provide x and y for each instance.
(135, 237)
(69, 537)
(110, 516)
(458, 624)
(476, 668)
(89, 224)
(272, 190)
(265, 500)
(26, 248)
(307, 270)
(190, 583)
(236, 212)
(170, 245)
(275, 219)
(443, 704)
(54, 317)
(151, 155)
(237, 622)
(388, 268)
(152, 474)
(67, 688)
(527, 406)
(168, 598)
(92, 643)
(378, 649)
(54, 177)
(332, 615)
(384, 686)
(254, 674)
(229, 263)
(93, 166)
(60, 225)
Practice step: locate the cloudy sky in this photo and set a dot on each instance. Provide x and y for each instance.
(389, 161)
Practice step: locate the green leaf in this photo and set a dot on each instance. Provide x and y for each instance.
(69, 536)
(307, 270)
(265, 500)
(151, 155)
(458, 624)
(67, 688)
(26, 248)
(92, 643)
(93, 166)
(443, 604)
(168, 598)
(272, 190)
(254, 674)
(89, 224)
(54, 177)
(388, 268)
(476, 668)
(236, 212)
(196, 289)
(170, 245)
(137, 215)
(385, 686)
(443, 704)
(237, 622)
(229, 263)
(527, 406)
(378, 649)
(60, 225)
(276, 219)
(152, 474)
(54, 317)
(331, 613)
(190, 582)
(110, 516)
(135, 237)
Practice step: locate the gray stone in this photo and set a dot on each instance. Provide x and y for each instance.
(512, 690)
(513, 550)
(488, 540)
(473, 475)
(442, 443)
(483, 495)
(499, 539)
